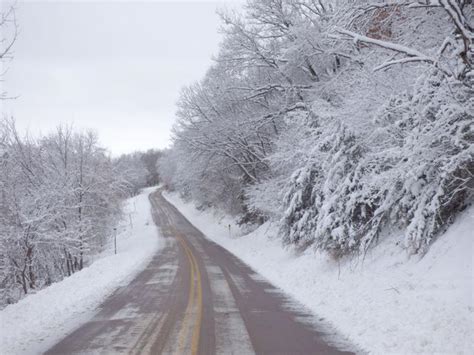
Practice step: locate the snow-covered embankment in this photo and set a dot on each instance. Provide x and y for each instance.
(387, 303)
(39, 320)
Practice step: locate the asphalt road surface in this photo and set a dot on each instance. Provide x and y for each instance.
(196, 298)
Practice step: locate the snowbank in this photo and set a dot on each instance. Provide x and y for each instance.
(40, 320)
(386, 303)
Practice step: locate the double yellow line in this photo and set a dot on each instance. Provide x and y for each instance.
(194, 302)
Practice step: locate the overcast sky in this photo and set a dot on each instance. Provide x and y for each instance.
(114, 66)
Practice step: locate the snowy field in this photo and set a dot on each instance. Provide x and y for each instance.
(39, 320)
(386, 303)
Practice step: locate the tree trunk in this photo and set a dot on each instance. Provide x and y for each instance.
(31, 274)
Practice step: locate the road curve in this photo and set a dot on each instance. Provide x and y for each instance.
(197, 298)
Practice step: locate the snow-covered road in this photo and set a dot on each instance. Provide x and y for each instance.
(197, 298)
(180, 291)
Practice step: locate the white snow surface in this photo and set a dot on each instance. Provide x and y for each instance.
(40, 320)
(387, 303)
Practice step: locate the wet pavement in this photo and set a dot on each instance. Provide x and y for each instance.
(197, 298)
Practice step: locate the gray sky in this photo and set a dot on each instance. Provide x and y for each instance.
(115, 67)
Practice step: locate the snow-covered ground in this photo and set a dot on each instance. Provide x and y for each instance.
(386, 303)
(39, 320)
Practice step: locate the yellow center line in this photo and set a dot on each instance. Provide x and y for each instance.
(197, 327)
(182, 337)
(183, 333)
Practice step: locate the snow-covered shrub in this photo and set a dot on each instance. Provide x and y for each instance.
(321, 207)
(415, 171)
(431, 178)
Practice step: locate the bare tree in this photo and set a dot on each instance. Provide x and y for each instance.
(8, 36)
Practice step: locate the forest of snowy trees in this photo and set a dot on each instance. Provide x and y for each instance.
(335, 119)
(58, 196)
(60, 199)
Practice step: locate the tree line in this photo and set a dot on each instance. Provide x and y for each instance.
(334, 119)
(60, 199)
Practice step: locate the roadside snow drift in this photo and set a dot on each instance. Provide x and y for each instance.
(386, 303)
(39, 320)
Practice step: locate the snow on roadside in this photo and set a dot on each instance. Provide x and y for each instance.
(39, 320)
(387, 303)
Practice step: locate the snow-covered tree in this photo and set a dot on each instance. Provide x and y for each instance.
(336, 119)
(59, 200)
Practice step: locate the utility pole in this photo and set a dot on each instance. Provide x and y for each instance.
(115, 240)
